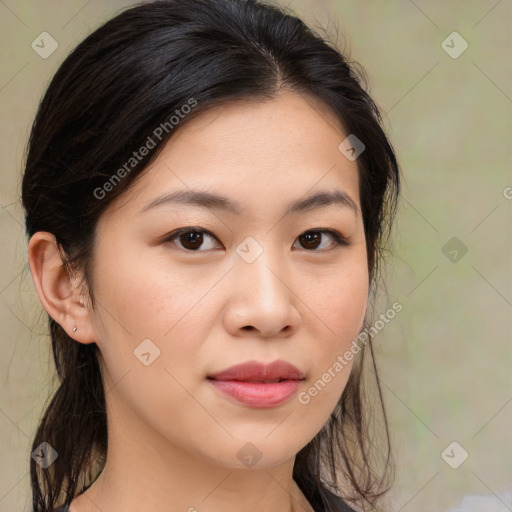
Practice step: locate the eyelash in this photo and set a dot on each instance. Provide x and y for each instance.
(338, 238)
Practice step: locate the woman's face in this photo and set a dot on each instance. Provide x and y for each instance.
(260, 282)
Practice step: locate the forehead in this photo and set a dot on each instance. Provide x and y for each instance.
(273, 151)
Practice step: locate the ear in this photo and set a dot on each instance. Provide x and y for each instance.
(58, 291)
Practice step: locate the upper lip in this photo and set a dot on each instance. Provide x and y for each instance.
(254, 370)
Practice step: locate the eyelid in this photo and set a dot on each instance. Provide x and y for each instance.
(338, 237)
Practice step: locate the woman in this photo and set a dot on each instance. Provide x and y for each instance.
(207, 192)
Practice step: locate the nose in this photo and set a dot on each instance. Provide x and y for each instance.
(262, 300)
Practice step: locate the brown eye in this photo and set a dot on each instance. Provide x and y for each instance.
(195, 240)
(191, 239)
(312, 239)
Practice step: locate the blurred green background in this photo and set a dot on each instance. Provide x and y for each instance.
(446, 359)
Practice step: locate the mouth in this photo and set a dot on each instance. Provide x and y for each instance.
(273, 381)
(254, 371)
(259, 385)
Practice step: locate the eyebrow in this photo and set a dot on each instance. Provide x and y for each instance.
(208, 200)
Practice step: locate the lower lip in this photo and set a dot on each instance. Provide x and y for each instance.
(258, 394)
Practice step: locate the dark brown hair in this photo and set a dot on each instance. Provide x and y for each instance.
(109, 95)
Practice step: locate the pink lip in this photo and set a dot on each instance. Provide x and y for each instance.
(239, 383)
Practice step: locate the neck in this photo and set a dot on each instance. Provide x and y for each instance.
(166, 478)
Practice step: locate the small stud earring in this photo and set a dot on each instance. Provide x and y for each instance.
(75, 328)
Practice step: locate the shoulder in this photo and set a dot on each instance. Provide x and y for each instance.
(63, 508)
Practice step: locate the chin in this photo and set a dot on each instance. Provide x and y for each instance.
(255, 454)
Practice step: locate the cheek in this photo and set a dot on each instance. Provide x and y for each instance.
(340, 301)
(140, 296)
(339, 306)
(148, 341)
(148, 313)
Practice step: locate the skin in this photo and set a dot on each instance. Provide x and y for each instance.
(173, 437)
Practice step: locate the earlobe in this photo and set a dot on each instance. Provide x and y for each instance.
(56, 288)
